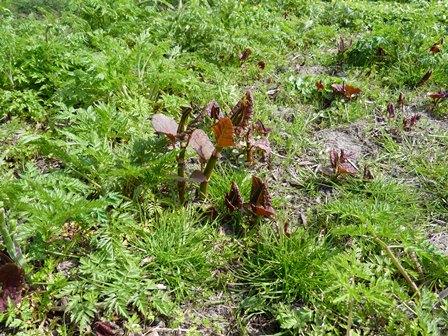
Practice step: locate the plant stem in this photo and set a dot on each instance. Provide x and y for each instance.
(398, 265)
(208, 172)
(182, 184)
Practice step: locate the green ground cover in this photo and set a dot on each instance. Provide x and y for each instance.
(89, 189)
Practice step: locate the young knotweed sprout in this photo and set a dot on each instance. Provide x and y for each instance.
(390, 111)
(410, 122)
(233, 199)
(400, 101)
(438, 97)
(224, 133)
(241, 116)
(262, 144)
(242, 112)
(346, 90)
(436, 47)
(342, 162)
(260, 200)
(260, 203)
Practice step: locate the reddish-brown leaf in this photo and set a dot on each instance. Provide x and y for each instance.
(425, 78)
(12, 281)
(224, 131)
(261, 65)
(348, 91)
(342, 162)
(213, 110)
(410, 122)
(351, 91)
(105, 329)
(260, 128)
(286, 230)
(242, 112)
(165, 125)
(334, 157)
(438, 95)
(262, 144)
(400, 100)
(260, 200)
(245, 54)
(390, 111)
(346, 169)
(436, 47)
(233, 198)
(320, 86)
(201, 143)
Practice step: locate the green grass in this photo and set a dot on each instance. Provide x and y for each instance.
(89, 189)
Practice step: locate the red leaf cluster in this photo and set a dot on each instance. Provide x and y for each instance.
(213, 110)
(260, 201)
(400, 100)
(348, 91)
(233, 198)
(410, 122)
(261, 65)
(262, 143)
(441, 95)
(12, 281)
(390, 111)
(105, 329)
(342, 162)
(242, 112)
